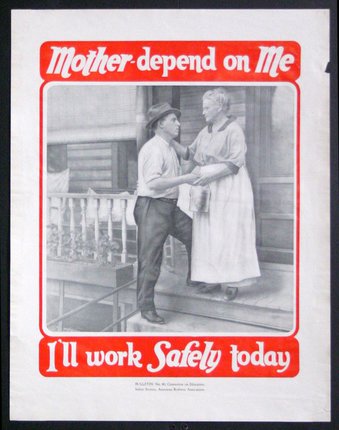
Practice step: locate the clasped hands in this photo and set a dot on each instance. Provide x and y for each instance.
(198, 178)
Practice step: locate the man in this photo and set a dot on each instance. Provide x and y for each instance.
(156, 212)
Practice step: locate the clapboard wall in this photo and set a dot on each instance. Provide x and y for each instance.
(102, 166)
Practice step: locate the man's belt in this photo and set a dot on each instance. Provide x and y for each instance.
(166, 200)
(162, 199)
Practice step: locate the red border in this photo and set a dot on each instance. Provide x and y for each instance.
(130, 337)
(297, 223)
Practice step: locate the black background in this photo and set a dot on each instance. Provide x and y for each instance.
(5, 43)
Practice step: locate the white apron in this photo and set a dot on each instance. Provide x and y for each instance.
(223, 246)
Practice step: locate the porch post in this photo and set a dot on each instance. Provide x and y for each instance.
(175, 102)
(142, 106)
(175, 97)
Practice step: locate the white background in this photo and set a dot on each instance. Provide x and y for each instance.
(303, 398)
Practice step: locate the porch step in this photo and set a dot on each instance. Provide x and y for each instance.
(177, 322)
(269, 304)
(216, 308)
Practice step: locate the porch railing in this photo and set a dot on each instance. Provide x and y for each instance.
(74, 213)
(120, 316)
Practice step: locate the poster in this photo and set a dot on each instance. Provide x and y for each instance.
(88, 95)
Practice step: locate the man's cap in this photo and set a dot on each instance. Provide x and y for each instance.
(160, 110)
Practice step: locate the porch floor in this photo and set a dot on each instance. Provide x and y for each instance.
(273, 290)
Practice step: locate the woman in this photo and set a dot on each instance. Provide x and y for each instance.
(223, 248)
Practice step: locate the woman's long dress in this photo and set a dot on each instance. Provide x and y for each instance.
(223, 248)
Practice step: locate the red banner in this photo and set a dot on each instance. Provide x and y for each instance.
(170, 61)
(165, 356)
(169, 357)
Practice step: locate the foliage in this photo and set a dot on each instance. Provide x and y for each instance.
(74, 247)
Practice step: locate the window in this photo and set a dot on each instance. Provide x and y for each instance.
(56, 158)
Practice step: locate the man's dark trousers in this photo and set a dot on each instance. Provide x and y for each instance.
(156, 219)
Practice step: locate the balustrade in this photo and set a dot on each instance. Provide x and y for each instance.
(82, 226)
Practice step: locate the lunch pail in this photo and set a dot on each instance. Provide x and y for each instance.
(200, 198)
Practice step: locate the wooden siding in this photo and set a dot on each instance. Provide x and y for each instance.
(104, 167)
(97, 170)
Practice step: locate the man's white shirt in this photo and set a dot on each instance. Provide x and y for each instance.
(157, 159)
